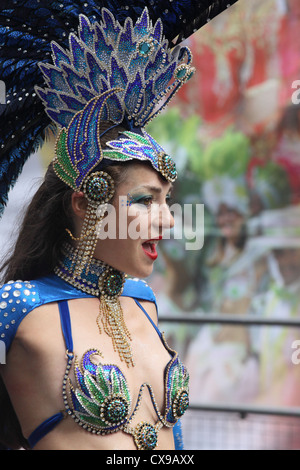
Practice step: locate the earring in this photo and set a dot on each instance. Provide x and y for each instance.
(98, 189)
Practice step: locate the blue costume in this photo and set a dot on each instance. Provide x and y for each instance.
(19, 298)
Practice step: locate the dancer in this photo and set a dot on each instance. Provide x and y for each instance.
(87, 367)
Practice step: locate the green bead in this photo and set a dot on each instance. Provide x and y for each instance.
(181, 403)
(116, 410)
(145, 48)
(181, 73)
(146, 436)
(111, 283)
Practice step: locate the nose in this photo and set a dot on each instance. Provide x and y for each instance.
(164, 219)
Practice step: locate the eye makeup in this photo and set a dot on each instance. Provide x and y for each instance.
(146, 197)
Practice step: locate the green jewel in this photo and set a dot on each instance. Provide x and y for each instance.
(181, 73)
(145, 436)
(145, 48)
(62, 164)
(111, 283)
(167, 167)
(114, 409)
(189, 75)
(99, 187)
(180, 403)
(184, 72)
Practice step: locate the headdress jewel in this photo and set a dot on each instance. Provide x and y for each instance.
(114, 73)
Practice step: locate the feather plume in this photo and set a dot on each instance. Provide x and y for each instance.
(27, 28)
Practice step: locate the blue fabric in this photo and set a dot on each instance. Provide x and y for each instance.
(44, 429)
(66, 324)
(177, 433)
(149, 318)
(19, 298)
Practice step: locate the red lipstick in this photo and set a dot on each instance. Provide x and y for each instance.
(149, 248)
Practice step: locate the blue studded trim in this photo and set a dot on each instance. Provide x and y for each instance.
(17, 299)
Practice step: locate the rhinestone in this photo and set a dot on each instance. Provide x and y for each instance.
(115, 409)
(181, 403)
(3, 304)
(145, 436)
(16, 293)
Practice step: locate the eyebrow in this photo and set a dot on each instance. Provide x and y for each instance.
(155, 189)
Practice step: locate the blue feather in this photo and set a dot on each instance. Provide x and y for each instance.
(27, 28)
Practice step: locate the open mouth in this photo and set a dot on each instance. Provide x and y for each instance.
(149, 248)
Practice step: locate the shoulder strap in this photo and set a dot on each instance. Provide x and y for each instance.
(44, 429)
(148, 316)
(66, 324)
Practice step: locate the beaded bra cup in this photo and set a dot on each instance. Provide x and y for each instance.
(100, 400)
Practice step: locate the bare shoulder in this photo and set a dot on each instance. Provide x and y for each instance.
(40, 327)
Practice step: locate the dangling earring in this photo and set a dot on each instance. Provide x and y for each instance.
(98, 188)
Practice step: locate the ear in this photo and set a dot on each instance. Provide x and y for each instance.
(79, 204)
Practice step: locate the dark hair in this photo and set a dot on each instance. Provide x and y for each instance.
(36, 253)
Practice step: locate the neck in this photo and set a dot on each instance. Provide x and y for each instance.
(97, 279)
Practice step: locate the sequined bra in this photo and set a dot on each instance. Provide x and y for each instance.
(101, 401)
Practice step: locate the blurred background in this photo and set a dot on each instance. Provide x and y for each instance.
(232, 308)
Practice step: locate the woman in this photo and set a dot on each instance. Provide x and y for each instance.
(36, 395)
(82, 342)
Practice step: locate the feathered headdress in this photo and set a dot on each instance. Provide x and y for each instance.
(117, 65)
